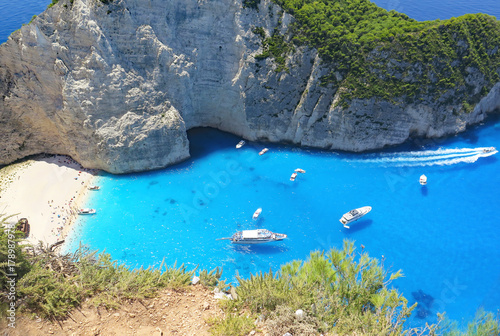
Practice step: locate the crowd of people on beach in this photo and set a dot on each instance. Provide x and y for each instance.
(61, 216)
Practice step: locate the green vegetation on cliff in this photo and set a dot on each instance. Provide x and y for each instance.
(378, 53)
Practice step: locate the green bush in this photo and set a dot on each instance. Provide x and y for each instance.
(340, 291)
(254, 4)
(49, 293)
(53, 3)
(273, 46)
(484, 324)
(231, 325)
(56, 284)
(13, 258)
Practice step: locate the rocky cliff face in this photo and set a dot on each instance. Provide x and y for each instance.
(117, 85)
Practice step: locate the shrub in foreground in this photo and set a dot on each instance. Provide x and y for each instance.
(340, 292)
(58, 283)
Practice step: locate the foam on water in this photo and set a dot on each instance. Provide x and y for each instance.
(440, 157)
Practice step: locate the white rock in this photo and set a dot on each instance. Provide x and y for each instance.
(117, 86)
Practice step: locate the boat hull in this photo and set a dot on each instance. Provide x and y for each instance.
(259, 236)
(87, 212)
(360, 212)
(253, 242)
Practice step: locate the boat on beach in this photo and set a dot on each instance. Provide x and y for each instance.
(240, 144)
(423, 180)
(257, 213)
(94, 188)
(255, 237)
(86, 211)
(354, 215)
(263, 151)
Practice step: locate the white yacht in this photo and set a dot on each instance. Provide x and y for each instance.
(257, 213)
(240, 144)
(354, 215)
(86, 211)
(423, 180)
(263, 151)
(255, 237)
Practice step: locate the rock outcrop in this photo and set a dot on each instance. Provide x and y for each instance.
(116, 85)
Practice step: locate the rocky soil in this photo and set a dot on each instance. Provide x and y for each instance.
(170, 313)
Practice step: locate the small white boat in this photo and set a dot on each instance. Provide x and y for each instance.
(423, 180)
(255, 237)
(94, 188)
(86, 211)
(263, 151)
(257, 213)
(298, 170)
(489, 149)
(240, 144)
(354, 215)
(292, 178)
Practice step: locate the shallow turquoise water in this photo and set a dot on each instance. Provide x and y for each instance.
(444, 236)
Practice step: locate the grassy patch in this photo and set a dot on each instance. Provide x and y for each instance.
(232, 324)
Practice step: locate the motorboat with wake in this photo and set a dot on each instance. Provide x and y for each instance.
(354, 215)
(86, 211)
(255, 237)
(489, 149)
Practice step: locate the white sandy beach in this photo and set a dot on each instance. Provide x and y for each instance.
(47, 191)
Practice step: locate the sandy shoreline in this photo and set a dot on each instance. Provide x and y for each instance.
(47, 191)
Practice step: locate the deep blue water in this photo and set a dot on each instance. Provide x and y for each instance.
(15, 13)
(444, 237)
(422, 10)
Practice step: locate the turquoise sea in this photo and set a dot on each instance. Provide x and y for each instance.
(445, 236)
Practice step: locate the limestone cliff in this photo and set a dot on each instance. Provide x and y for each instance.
(117, 84)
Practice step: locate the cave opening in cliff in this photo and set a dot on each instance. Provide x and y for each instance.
(206, 140)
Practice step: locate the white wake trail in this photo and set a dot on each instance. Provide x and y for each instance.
(440, 157)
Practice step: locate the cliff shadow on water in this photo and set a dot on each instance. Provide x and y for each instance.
(206, 140)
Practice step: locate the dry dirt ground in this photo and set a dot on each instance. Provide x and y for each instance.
(170, 313)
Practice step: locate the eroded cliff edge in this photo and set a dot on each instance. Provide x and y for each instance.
(117, 84)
